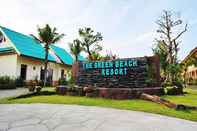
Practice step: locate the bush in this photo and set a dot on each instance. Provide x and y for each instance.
(166, 84)
(174, 90)
(62, 81)
(71, 81)
(7, 82)
(19, 82)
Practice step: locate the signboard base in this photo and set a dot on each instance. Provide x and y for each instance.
(127, 93)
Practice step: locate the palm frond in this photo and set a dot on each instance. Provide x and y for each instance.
(35, 38)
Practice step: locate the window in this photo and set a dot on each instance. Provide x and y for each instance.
(34, 68)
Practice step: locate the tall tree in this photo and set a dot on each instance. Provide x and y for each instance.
(90, 41)
(169, 29)
(76, 48)
(47, 35)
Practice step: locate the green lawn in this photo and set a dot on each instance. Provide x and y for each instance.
(137, 105)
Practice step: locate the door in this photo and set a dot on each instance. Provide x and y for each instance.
(23, 73)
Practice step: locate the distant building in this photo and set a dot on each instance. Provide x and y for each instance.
(22, 56)
(191, 71)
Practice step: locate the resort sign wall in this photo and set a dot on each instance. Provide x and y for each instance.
(118, 73)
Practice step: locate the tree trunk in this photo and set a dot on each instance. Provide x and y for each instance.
(89, 53)
(158, 100)
(76, 57)
(46, 64)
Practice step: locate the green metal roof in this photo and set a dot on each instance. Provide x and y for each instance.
(62, 54)
(27, 46)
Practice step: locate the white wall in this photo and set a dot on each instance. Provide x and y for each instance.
(8, 65)
(31, 73)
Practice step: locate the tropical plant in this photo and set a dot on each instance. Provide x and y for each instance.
(47, 36)
(90, 41)
(96, 56)
(7, 82)
(110, 56)
(76, 48)
(168, 44)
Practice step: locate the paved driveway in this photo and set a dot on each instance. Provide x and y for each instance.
(13, 92)
(52, 117)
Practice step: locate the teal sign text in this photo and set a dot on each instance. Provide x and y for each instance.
(110, 68)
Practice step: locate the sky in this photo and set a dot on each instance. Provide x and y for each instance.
(128, 26)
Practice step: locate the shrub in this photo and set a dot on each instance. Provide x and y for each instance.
(71, 81)
(166, 84)
(62, 81)
(19, 82)
(7, 82)
(174, 90)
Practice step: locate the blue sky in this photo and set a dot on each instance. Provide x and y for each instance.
(128, 26)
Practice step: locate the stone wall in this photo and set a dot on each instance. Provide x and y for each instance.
(119, 73)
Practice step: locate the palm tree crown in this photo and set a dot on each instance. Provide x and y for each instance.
(47, 35)
(76, 48)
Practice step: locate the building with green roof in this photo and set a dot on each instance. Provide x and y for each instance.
(22, 56)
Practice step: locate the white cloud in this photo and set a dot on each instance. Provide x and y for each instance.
(127, 25)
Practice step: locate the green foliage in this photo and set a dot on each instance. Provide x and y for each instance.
(90, 41)
(47, 35)
(174, 90)
(167, 45)
(96, 56)
(62, 81)
(150, 80)
(71, 81)
(76, 48)
(7, 82)
(160, 50)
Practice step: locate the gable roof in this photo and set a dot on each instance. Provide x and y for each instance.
(26, 46)
(62, 54)
(192, 52)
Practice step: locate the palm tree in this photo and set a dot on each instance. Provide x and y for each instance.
(90, 41)
(76, 48)
(47, 36)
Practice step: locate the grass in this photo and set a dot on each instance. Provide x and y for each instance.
(48, 96)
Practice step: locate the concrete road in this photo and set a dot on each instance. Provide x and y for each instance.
(52, 117)
(13, 92)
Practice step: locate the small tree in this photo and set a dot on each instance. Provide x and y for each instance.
(76, 48)
(47, 35)
(168, 43)
(90, 41)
